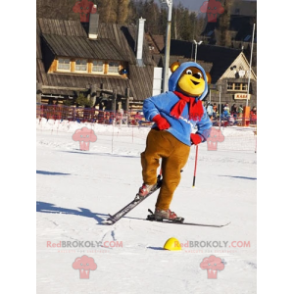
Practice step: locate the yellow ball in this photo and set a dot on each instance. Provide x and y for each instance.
(172, 244)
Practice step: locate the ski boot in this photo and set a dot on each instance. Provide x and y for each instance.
(164, 215)
(145, 190)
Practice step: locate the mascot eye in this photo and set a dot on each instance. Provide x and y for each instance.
(189, 72)
(198, 75)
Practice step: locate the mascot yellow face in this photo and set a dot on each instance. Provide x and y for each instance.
(191, 82)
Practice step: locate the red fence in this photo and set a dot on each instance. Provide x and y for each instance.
(60, 112)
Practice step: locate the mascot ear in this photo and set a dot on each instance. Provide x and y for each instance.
(208, 77)
(174, 66)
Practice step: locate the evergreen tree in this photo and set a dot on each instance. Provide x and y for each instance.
(186, 29)
(223, 33)
(162, 21)
(82, 100)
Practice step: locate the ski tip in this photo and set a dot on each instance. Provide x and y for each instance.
(220, 226)
(107, 222)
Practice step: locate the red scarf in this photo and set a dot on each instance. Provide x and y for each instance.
(195, 109)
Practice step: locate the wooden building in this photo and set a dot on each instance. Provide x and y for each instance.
(228, 67)
(97, 60)
(113, 66)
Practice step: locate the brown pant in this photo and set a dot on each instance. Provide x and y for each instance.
(174, 154)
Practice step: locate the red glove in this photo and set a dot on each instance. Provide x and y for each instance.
(161, 122)
(196, 139)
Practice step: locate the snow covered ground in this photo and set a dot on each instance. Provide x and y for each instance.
(77, 189)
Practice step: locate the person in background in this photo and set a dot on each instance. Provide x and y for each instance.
(101, 117)
(209, 109)
(240, 111)
(226, 108)
(215, 112)
(225, 116)
(92, 114)
(108, 119)
(138, 118)
(119, 116)
(253, 115)
(234, 113)
(234, 110)
(231, 120)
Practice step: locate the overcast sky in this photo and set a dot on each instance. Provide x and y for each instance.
(192, 4)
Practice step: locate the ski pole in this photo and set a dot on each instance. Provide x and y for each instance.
(159, 175)
(194, 178)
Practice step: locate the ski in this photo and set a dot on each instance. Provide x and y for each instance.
(117, 216)
(189, 224)
(180, 221)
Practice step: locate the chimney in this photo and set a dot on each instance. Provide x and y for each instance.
(140, 38)
(93, 26)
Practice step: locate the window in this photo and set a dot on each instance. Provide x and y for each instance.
(237, 86)
(230, 86)
(244, 87)
(98, 66)
(85, 66)
(81, 65)
(113, 67)
(63, 64)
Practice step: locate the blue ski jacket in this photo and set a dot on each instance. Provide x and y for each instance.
(162, 104)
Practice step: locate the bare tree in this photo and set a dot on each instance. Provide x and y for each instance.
(201, 22)
(122, 10)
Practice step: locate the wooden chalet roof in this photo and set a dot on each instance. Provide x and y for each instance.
(157, 41)
(160, 41)
(76, 46)
(114, 42)
(159, 61)
(214, 59)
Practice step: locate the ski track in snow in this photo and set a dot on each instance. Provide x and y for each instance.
(77, 189)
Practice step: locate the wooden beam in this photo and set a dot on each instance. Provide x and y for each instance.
(64, 88)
